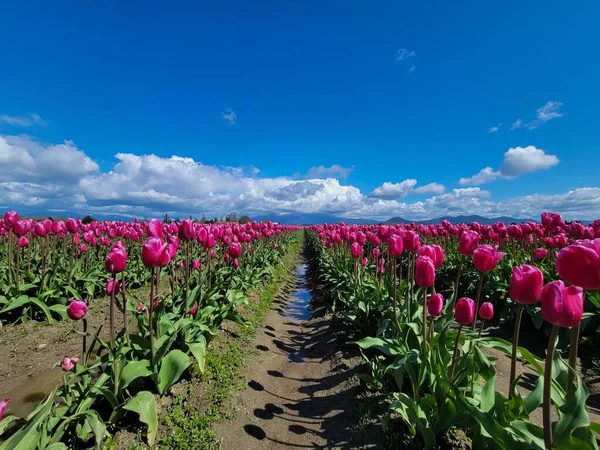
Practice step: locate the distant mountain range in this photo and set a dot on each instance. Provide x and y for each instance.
(327, 218)
(462, 219)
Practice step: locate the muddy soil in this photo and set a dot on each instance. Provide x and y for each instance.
(302, 390)
(30, 351)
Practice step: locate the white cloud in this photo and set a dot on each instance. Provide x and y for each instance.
(412, 68)
(23, 121)
(495, 128)
(517, 124)
(517, 161)
(520, 160)
(229, 116)
(335, 171)
(431, 188)
(392, 191)
(403, 54)
(551, 110)
(150, 186)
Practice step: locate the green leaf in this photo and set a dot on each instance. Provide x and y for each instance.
(573, 415)
(198, 349)
(384, 345)
(6, 422)
(98, 427)
(488, 395)
(57, 446)
(172, 366)
(133, 370)
(61, 310)
(44, 308)
(144, 404)
(21, 301)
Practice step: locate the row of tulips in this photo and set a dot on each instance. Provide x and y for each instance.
(44, 263)
(160, 339)
(427, 353)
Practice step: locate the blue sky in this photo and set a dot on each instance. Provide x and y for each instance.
(379, 94)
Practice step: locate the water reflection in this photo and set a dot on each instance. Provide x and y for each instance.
(299, 305)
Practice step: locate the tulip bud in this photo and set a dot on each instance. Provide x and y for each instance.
(469, 241)
(4, 403)
(67, 364)
(424, 272)
(77, 309)
(395, 245)
(464, 311)
(235, 250)
(112, 285)
(486, 311)
(435, 305)
(356, 250)
(116, 261)
(155, 253)
(541, 253)
(194, 309)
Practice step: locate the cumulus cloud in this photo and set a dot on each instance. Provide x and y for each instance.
(335, 171)
(431, 188)
(392, 191)
(551, 110)
(517, 161)
(229, 116)
(149, 186)
(23, 121)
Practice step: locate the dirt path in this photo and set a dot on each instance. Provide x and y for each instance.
(301, 390)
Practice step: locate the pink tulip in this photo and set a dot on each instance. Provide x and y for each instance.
(112, 285)
(356, 250)
(195, 264)
(395, 246)
(275, 246)
(67, 364)
(235, 250)
(486, 311)
(77, 309)
(435, 305)
(376, 252)
(155, 229)
(236, 264)
(141, 308)
(526, 284)
(435, 252)
(411, 241)
(364, 261)
(194, 309)
(155, 253)
(116, 261)
(424, 272)
(469, 241)
(561, 305)
(4, 403)
(83, 248)
(541, 253)
(551, 220)
(464, 311)
(485, 258)
(72, 226)
(11, 218)
(187, 231)
(23, 241)
(579, 264)
(154, 303)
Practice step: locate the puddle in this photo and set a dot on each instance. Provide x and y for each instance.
(25, 397)
(299, 305)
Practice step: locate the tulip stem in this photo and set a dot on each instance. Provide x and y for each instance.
(477, 298)
(455, 352)
(150, 327)
(573, 355)
(394, 291)
(513, 359)
(431, 328)
(124, 297)
(548, 387)
(481, 328)
(424, 320)
(456, 283)
(84, 339)
(112, 310)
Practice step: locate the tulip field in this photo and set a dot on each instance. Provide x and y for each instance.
(197, 277)
(429, 308)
